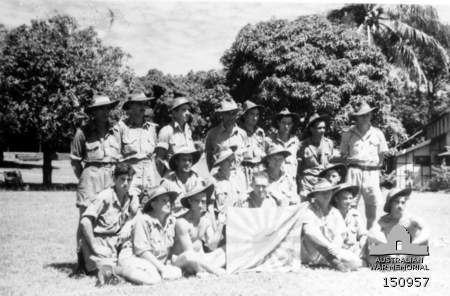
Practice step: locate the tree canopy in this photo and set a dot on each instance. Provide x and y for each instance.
(50, 69)
(310, 65)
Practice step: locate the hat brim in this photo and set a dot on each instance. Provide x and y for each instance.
(339, 167)
(222, 159)
(355, 114)
(312, 193)
(260, 107)
(404, 192)
(209, 189)
(111, 105)
(195, 158)
(126, 104)
(236, 109)
(285, 153)
(353, 189)
(294, 116)
(179, 105)
(325, 118)
(172, 196)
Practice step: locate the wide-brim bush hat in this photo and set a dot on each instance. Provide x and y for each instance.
(227, 105)
(339, 167)
(184, 150)
(222, 155)
(353, 189)
(275, 150)
(322, 185)
(316, 117)
(249, 105)
(393, 194)
(286, 113)
(101, 101)
(180, 101)
(362, 109)
(199, 187)
(137, 97)
(150, 194)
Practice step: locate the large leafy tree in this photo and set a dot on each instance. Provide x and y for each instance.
(310, 65)
(413, 38)
(50, 69)
(205, 88)
(399, 30)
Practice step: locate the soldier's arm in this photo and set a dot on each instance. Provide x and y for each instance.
(375, 235)
(182, 235)
(423, 233)
(209, 149)
(76, 152)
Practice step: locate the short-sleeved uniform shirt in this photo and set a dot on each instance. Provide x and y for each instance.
(251, 203)
(315, 158)
(176, 136)
(88, 146)
(136, 142)
(355, 230)
(225, 192)
(108, 212)
(284, 189)
(218, 137)
(412, 224)
(292, 145)
(331, 226)
(150, 235)
(173, 183)
(363, 149)
(254, 144)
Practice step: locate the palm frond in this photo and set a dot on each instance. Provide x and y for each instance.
(406, 32)
(406, 56)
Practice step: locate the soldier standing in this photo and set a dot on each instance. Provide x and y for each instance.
(93, 152)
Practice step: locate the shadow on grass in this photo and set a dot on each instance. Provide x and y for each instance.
(18, 165)
(64, 267)
(39, 187)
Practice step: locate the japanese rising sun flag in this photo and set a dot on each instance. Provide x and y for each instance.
(263, 239)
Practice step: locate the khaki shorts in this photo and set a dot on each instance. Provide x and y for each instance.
(368, 182)
(92, 262)
(93, 180)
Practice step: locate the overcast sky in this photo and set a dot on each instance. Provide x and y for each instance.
(174, 37)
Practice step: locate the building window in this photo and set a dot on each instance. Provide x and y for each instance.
(423, 160)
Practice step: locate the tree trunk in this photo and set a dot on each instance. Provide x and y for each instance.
(47, 167)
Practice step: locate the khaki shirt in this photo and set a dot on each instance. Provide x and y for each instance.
(173, 183)
(315, 158)
(218, 137)
(149, 235)
(108, 212)
(254, 144)
(330, 225)
(251, 203)
(136, 142)
(363, 149)
(176, 136)
(292, 145)
(226, 192)
(355, 230)
(88, 146)
(284, 190)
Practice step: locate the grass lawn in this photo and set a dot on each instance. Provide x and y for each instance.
(37, 253)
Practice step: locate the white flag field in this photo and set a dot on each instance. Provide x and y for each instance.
(263, 239)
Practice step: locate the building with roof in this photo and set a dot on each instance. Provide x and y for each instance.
(415, 165)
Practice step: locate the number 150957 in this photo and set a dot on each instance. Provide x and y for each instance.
(405, 282)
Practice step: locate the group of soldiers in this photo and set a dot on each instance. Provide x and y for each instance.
(147, 215)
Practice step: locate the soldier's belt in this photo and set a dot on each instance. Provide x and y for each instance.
(365, 167)
(99, 164)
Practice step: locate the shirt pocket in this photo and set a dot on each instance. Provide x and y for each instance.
(94, 150)
(130, 144)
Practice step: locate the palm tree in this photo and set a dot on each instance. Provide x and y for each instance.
(399, 30)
